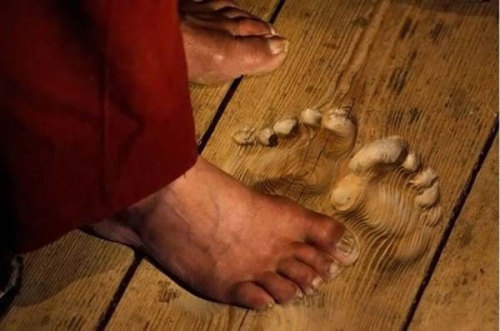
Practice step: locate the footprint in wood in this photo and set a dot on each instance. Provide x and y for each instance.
(381, 193)
(386, 191)
(301, 154)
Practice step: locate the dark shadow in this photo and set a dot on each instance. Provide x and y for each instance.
(8, 235)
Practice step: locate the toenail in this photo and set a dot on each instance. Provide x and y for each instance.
(273, 30)
(278, 46)
(348, 247)
(334, 270)
(316, 283)
(269, 305)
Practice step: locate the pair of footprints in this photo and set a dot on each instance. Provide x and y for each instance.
(381, 190)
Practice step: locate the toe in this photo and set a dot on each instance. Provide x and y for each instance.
(323, 232)
(301, 274)
(281, 289)
(332, 237)
(236, 27)
(217, 56)
(323, 264)
(254, 55)
(251, 27)
(231, 12)
(390, 152)
(206, 6)
(250, 295)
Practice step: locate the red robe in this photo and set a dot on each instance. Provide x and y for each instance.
(94, 110)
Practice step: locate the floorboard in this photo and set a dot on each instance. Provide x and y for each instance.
(463, 291)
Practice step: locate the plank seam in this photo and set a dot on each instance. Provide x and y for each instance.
(120, 291)
(456, 212)
(243, 321)
(218, 114)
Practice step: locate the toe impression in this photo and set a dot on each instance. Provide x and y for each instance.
(389, 151)
(338, 121)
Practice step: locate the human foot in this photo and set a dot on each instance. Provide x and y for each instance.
(232, 244)
(223, 42)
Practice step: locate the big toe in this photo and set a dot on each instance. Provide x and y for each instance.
(236, 26)
(217, 56)
(255, 55)
(333, 238)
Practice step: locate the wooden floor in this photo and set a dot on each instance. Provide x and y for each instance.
(425, 70)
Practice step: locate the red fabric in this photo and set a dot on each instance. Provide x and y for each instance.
(94, 109)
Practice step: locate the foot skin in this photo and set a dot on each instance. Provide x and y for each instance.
(231, 244)
(223, 42)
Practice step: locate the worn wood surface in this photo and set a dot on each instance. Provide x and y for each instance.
(423, 70)
(463, 291)
(68, 284)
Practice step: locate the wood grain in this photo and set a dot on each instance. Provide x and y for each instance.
(68, 285)
(423, 70)
(463, 291)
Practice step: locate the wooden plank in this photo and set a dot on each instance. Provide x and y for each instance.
(421, 69)
(70, 284)
(463, 291)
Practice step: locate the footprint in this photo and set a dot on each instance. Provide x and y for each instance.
(298, 156)
(386, 192)
(382, 192)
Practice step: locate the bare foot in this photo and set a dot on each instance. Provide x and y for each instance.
(232, 244)
(223, 42)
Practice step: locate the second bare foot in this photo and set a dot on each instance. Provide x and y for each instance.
(223, 42)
